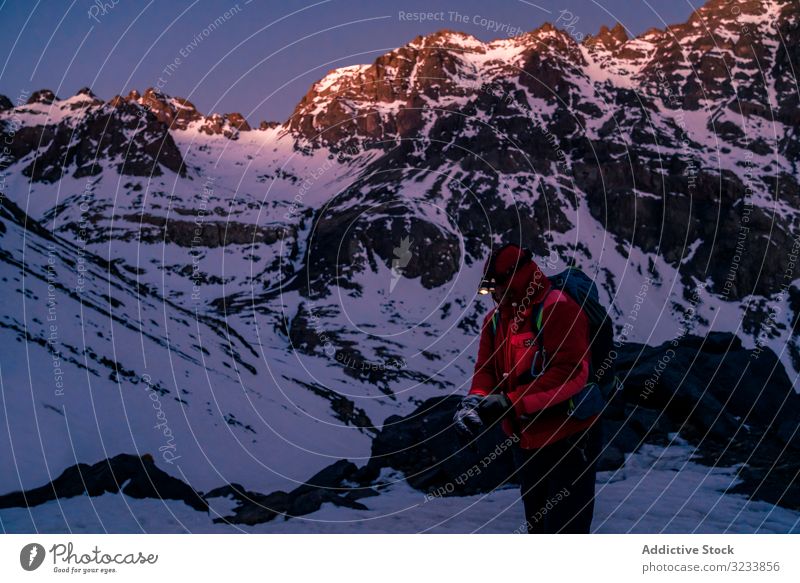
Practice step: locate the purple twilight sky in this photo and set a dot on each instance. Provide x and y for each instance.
(258, 57)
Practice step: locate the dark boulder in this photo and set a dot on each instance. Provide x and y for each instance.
(425, 447)
(712, 386)
(330, 484)
(736, 405)
(134, 476)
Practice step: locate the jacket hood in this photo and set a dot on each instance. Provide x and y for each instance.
(527, 287)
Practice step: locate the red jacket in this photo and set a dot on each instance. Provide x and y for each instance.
(505, 354)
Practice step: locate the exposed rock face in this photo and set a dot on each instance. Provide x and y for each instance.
(79, 136)
(350, 235)
(89, 101)
(156, 229)
(608, 117)
(238, 121)
(175, 113)
(608, 39)
(178, 114)
(43, 96)
(228, 125)
(5, 103)
(121, 134)
(707, 57)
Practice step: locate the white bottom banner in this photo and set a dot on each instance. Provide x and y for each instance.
(389, 558)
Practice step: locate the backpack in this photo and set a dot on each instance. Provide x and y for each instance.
(603, 383)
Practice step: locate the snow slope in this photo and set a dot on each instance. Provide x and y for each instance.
(659, 490)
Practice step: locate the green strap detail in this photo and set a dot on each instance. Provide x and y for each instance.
(538, 320)
(539, 316)
(496, 318)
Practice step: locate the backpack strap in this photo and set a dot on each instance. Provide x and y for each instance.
(537, 319)
(571, 402)
(540, 358)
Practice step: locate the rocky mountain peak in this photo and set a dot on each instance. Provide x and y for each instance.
(44, 96)
(178, 113)
(446, 38)
(175, 113)
(547, 38)
(609, 39)
(226, 124)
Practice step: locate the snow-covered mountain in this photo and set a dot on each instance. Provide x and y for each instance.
(270, 294)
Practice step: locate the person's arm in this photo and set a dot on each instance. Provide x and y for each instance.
(565, 339)
(484, 377)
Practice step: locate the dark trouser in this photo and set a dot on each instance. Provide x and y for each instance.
(557, 482)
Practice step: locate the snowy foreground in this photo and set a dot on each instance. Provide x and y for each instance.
(659, 490)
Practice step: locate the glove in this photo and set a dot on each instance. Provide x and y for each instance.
(466, 419)
(494, 407)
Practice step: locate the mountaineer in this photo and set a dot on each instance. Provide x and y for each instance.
(539, 374)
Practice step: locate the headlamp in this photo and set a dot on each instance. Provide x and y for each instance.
(487, 286)
(492, 279)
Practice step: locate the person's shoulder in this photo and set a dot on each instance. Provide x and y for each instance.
(561, 301)
(557, 296)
